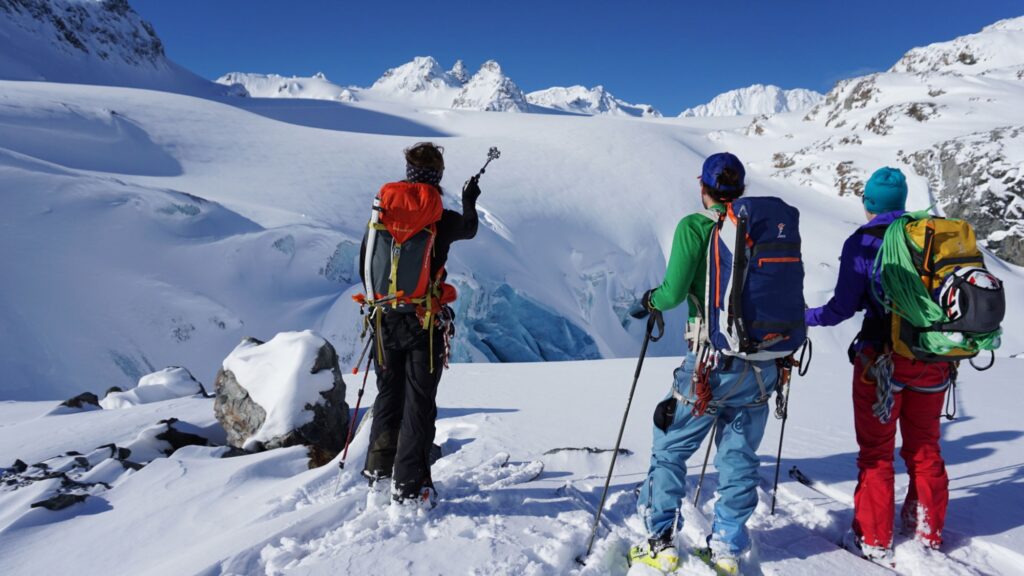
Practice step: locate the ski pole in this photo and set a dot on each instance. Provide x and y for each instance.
(707, 456)
(648, 338)
(359, 401)
(782, 433)
(785, 367)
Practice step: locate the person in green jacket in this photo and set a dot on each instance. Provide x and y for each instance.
(737, 410)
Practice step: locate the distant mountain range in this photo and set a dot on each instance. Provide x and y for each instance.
(954, 100)
(424, 82)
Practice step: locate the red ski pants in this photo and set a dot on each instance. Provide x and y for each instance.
(918, 414)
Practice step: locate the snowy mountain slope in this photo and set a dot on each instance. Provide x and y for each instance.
(590, 101)
(957, 132)
(88, 42)
(138, 311)
(998, 45)
(267, 514)
(576, 226)
(756, 99)
(317, 87)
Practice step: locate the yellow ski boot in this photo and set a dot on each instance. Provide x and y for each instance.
(658, 553)
(723, 564)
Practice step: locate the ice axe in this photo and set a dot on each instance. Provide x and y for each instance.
(492, 154)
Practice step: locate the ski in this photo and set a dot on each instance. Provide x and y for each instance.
(846, 501)
(823, 489)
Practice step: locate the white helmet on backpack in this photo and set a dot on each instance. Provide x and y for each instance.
(954, 296)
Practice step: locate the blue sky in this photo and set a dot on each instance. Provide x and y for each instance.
(669, 54)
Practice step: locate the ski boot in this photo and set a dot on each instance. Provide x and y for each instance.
(723, 563)
(877, 554)
(423, 496)
(658, 552)
(379, 493)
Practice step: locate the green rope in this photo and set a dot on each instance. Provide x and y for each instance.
(906, 296)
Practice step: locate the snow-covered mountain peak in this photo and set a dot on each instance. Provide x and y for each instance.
(756, 99)
(108, 30)
(996, 46)
(459, 72)
(590, 101)
(1013, 24)
(423, 74)
(490, 90)
(87, 42)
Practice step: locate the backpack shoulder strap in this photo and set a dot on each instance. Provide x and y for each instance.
(712, 215)
(877, 231)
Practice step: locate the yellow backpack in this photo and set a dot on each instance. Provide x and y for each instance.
(945, 305)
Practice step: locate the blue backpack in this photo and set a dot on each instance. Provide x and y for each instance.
(754, 296)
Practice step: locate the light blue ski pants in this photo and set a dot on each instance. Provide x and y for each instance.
(741, 408)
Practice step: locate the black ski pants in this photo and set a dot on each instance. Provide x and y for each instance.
(402, 429)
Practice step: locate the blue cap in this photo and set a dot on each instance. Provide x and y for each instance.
(713, 168)
(885, 191)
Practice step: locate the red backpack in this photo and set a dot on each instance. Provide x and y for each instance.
(399, 247)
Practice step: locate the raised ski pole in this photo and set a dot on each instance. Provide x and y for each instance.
(648, 338)
(492, 154)
(707, 456)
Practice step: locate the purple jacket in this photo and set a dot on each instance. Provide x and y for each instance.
(853, 289)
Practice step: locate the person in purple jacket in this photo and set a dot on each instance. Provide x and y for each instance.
(909, 392)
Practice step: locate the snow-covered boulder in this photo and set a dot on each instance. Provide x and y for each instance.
(73, 477)
(84, 401)
(284, 392)
(167, 384)
(163, 439)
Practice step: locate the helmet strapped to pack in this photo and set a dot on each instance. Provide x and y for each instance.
(972, 297)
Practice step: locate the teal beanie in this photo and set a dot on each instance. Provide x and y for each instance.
(885, 191)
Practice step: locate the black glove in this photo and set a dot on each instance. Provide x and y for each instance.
(642, 307)
(471, 189)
